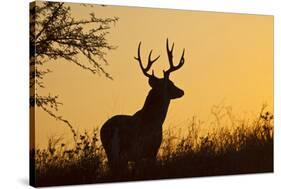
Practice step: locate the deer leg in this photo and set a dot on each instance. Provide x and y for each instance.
(118, 167)
(151, 161)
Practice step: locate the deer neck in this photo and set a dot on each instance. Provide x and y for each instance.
(155, 108)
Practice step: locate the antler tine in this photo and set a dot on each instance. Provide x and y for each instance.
(170, 52)
(139, 56)
(167, 45)
(149, 64)
(182, 59)
(170, 57)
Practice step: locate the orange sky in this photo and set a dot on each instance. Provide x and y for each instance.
(229, 59)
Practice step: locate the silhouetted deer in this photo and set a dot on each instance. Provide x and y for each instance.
(137, 137)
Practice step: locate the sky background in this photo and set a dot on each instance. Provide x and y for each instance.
(229, 61)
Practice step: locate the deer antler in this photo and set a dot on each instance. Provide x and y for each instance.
(170, 57)
(149, 64)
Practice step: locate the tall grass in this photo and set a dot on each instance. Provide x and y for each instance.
(245, 147)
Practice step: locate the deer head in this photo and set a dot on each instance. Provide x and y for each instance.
(163, 85)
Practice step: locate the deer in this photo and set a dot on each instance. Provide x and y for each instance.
(137, 137)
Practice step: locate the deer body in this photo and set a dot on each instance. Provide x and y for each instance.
(139, 136)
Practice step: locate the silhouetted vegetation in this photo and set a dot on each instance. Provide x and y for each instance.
(56, 34)
(245, 147)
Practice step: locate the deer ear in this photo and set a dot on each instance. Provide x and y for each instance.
(152, 81)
